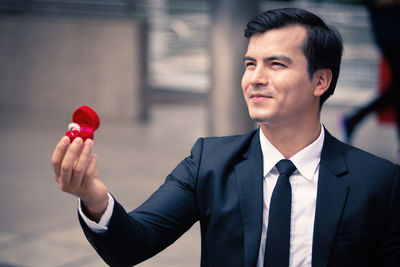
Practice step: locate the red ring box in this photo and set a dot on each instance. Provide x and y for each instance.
(88, 121)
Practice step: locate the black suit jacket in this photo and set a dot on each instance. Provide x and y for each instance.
(357, 221)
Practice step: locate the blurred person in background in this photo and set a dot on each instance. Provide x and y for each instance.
(285, 194)
(385, 23)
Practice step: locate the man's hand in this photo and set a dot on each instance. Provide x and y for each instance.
(75, 171)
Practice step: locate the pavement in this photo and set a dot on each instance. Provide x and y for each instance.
(38, 222)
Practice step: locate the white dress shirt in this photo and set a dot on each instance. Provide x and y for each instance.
(101, 226)
(304, 181)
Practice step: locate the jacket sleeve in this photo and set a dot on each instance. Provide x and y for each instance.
(169, 212)
(390, 246)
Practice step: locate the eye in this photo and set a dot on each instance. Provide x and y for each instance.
(274, 63)
(249, 64)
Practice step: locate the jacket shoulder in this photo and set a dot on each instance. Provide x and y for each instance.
(229, 142)
(355, 157)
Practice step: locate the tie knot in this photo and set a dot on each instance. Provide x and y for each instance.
(286, 167)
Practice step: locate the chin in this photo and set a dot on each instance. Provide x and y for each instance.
(259, 118)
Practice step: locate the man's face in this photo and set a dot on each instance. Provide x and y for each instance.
(275, 84)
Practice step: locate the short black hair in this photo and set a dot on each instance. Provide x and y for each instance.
(323, 47)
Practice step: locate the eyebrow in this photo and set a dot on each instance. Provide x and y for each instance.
(271, 58)
(247, 58)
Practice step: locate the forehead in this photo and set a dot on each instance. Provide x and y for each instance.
(286, 40)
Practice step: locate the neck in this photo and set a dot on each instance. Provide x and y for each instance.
(290, 140)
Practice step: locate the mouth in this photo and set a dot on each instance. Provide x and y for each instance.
(256, 98)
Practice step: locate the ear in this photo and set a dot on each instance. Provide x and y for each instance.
(322, 79)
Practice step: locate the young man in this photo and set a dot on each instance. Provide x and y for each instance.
(287, 194)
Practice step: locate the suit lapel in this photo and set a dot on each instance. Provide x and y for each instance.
(249, 180)
(331, 200)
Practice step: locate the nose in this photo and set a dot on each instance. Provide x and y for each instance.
(259, 77)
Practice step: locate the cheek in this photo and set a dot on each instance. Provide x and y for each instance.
(301, 96)
(293, 89)
(244, 83)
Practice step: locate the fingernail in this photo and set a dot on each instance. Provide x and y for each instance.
(88, 142)
(77, 141)
(65, 140)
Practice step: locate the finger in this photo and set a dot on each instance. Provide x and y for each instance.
(58, 155)
(69, 160)
(91, 170)
(78, 155)
(82, 162)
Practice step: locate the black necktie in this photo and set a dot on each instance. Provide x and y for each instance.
(277, 245)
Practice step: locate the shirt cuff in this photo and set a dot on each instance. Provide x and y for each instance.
(102, 225)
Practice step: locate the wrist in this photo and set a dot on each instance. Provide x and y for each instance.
(94, 210)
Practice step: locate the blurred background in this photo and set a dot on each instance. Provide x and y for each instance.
(160, 74)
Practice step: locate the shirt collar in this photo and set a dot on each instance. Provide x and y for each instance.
(306, 160)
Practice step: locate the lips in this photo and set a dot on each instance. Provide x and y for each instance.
(257, 98)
